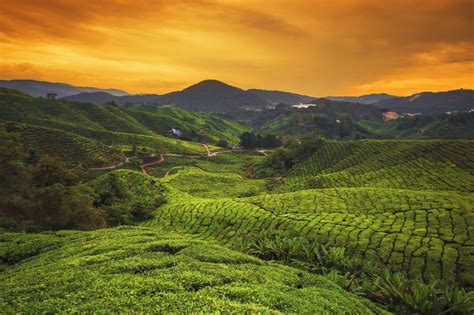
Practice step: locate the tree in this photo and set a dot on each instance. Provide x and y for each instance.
(45, 196)
(248, 140)
(159, 147)
(51, 170)
(222, 143)
(14, 178)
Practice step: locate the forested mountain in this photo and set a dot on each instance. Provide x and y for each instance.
(363, 99)
(431, 103)
(333, 119)
(454, 126)
(206, 96)
(41, 88)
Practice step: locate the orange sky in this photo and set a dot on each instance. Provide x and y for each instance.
(326, 47)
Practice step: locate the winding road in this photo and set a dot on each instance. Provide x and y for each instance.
(161, 160)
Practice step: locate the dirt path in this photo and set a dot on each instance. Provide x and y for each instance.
(182, 155)
(145, 167)
(111, 167)
(161, 160)
(207, 149)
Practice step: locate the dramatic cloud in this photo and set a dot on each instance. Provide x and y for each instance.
(314, 47)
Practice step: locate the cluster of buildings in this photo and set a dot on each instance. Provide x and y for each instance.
(390, 115)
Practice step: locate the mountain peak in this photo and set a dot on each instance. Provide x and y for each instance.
(211, 85)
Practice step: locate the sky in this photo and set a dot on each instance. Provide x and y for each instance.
(313, 47)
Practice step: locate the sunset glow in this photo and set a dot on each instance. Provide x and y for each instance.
(314, 47)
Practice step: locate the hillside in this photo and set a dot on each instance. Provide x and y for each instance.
(155, 272)
(136, 120)
(431, 103)
(72, 148)
(403, 164)
(332, 119)
(41, 88)
(401, 204)
(454, 126)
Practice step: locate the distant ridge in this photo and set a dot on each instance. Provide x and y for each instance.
(206, 96)
(41, 88)
(363, 99)
(431, 102)
(218, 97)
(277, 97)
(97, 98)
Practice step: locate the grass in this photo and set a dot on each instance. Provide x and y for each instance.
(132, 269)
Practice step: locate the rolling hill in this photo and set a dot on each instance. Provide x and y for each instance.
(403, 164)
(82, 118)
(401, 204)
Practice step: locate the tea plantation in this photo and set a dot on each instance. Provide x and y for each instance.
(403, 164)
(420, 233)
(131, 269)
(403, 204)
(72, 148)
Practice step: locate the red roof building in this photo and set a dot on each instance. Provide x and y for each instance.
(389, 116)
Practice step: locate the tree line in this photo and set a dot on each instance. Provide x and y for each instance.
(249, 140)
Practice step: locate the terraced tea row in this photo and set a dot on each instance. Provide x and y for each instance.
(227, 162)
(72, 148)
(213, 185)
(428, 233)
(421, 165)
(139, 119)
(139, 270)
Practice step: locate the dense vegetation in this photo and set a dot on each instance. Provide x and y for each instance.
(41, 193)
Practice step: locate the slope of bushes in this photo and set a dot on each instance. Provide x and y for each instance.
(404, 164)
(146, 270)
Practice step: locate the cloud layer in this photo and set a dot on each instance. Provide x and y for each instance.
(313, 47)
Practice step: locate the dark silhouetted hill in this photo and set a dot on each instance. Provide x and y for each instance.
(41, 88)
(277, 97)
(431, 103)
